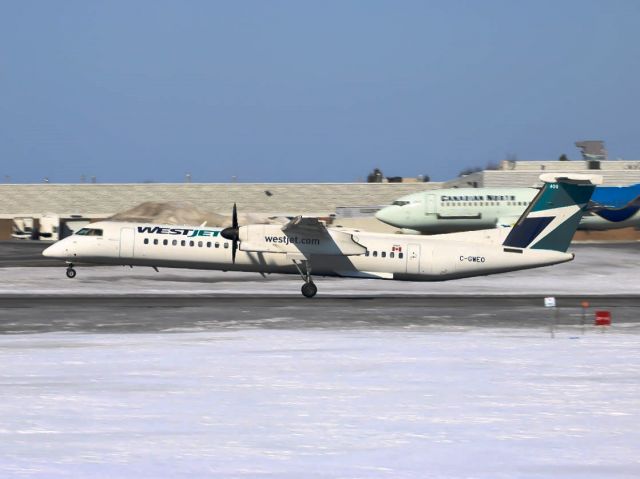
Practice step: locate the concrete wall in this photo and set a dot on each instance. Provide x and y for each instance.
(99, 201)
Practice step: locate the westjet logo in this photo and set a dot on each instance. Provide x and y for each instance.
(291, 240)
(188, 232)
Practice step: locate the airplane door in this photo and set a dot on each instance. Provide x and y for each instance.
(127, 236)
(413, 259)
(431, 204)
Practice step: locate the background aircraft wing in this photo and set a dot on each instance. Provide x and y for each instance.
(506, 221)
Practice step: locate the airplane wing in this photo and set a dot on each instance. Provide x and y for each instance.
(307, 226)
(333, 242)
(300, 236)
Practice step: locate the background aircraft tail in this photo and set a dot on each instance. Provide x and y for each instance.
(553, 216)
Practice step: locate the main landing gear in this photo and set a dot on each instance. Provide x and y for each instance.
(71, 273)
(309, 289)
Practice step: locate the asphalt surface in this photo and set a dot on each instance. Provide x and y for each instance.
(25, 253)
(179, 314)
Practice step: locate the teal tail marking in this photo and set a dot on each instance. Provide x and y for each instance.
(564, 203)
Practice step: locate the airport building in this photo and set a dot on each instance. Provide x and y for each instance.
(62, 208)
(527, 173)
(77, 204)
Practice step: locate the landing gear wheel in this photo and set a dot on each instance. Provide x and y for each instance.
(309, 290)
(71, 273)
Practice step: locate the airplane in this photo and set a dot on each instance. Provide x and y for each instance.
(467, 209)
(305, 245)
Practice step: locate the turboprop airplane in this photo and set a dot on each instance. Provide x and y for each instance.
(467, 209)
(304, 245)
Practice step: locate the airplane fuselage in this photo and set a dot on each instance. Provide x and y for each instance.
(345, 253)
(469, 209)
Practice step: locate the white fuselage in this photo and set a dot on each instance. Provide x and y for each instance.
(346, 253)
(467, 209)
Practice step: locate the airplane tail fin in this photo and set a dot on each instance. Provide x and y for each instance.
(551, 219)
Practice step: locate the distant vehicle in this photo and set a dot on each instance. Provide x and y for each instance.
(467, 209)
(50, 227)
(304, 245)
(22, 228)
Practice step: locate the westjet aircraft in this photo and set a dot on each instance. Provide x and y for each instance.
(304, 245)
(467, 209)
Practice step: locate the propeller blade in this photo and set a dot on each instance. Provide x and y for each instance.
(232, 233)
(234, 217)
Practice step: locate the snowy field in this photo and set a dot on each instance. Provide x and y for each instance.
(596, 270)
(450, 403)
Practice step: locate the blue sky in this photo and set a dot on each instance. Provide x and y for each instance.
(309, 91)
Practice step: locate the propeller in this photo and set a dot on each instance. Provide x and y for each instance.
(232, 233)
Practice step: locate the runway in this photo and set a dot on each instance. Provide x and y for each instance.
(114, 314)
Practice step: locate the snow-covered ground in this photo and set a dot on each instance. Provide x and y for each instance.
(472, 403)
(596, 270)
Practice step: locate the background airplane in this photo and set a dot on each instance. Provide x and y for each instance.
(304, 245)
(466, 209)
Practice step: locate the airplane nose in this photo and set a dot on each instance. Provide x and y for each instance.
(56, 250)
(386, 215)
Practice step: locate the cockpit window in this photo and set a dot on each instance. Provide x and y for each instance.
(400, 203)
(89, 232)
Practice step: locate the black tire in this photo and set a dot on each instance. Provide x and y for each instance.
(71, 273)
(309, 290)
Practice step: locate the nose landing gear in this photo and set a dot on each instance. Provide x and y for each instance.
(71, 273)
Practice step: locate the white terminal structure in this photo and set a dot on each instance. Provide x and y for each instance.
(66, 207)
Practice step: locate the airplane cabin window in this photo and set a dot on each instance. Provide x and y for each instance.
(165, 242)
(191, 243)
(217, 245)
(383, 254)
(89, 232)
(226, 245)
(155, 241)
(208, 244)
(391, 255)
(375, 254)
(183, 243)
(174, 242)
(199, 244)
(146, 241)
(366, 253)
(400, 255)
